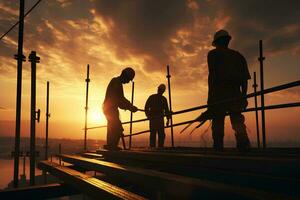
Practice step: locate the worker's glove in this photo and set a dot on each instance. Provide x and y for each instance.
(134, 109)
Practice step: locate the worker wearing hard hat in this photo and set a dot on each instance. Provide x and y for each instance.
(156, 108)
(227, 79)
(114, 99)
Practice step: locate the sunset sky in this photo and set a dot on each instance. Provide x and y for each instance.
(146, 35)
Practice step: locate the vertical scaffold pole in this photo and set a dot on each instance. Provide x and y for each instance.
(33, 59)
(261, 65)
(170, 102)
(87, 80)
(131, 116)
(47, 122)
(47, 128)
(256, 111)
(20, 58)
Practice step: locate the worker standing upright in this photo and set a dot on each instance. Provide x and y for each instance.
(156, 108)
(227, 79)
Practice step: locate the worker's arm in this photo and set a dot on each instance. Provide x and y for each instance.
(123, 103)
(147, 107)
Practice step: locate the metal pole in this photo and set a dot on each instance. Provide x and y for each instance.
(33, 59)
(20, 58)
(87, 80)
(131, 115)
(170, 102)
(59, 153)
(47, 122)
(261, 62)
(256, 111)
(24, 164)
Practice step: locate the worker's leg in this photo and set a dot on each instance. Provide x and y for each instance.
(161, 137)
(109, 134)
(238, 125)
(218, 131)
(152, 137)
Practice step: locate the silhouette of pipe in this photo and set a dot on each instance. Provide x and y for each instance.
(170, 102)
(271, 107)
(20, 58)
(256, 111)
(131, 115)
(87, 80)
(47, 122)
(33, 59)
(266, 91)
(47, 127)
(262, 98)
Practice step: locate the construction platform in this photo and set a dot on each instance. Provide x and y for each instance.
(180, 173)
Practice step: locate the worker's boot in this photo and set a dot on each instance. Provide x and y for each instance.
(242, 142)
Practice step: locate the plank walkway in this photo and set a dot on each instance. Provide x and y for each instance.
(87, 184)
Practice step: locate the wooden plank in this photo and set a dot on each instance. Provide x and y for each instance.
(87, 184)
(39, 192)
(282, 167)
(175, 185)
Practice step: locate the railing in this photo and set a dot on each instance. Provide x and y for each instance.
(266, 91)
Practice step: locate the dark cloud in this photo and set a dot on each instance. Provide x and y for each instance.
(275, 22)
(143, 28)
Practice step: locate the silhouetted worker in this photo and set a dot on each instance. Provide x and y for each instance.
(155, 108)
(227, 79)
(114, 99)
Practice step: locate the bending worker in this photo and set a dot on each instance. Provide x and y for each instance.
(155, 108)
(227, 79)
(114, 99)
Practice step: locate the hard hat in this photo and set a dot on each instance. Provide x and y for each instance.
(128, 72)
(161, 87)
(219, 34)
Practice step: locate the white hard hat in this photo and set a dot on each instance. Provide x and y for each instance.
(219, 34)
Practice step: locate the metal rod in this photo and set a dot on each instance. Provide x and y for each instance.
(87, 80)
(271, 107)
(266, 91)
(24, 164)
(59, 152)
(33, 59)
(20, 58)
(170, 102)
(256, 111)
(47, 122)
(261, 67)
(131, 115)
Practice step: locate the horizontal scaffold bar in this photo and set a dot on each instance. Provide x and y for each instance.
(266, 91)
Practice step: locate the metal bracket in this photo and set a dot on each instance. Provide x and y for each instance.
(38, 114)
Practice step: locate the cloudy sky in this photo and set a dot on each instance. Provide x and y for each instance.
(147, 35)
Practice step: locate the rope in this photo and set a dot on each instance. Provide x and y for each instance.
(27, 13)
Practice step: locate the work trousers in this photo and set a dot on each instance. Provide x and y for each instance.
(157, 126)
(114, 128)
(238, 125)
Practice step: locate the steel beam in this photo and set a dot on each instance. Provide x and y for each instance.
(87, 184)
